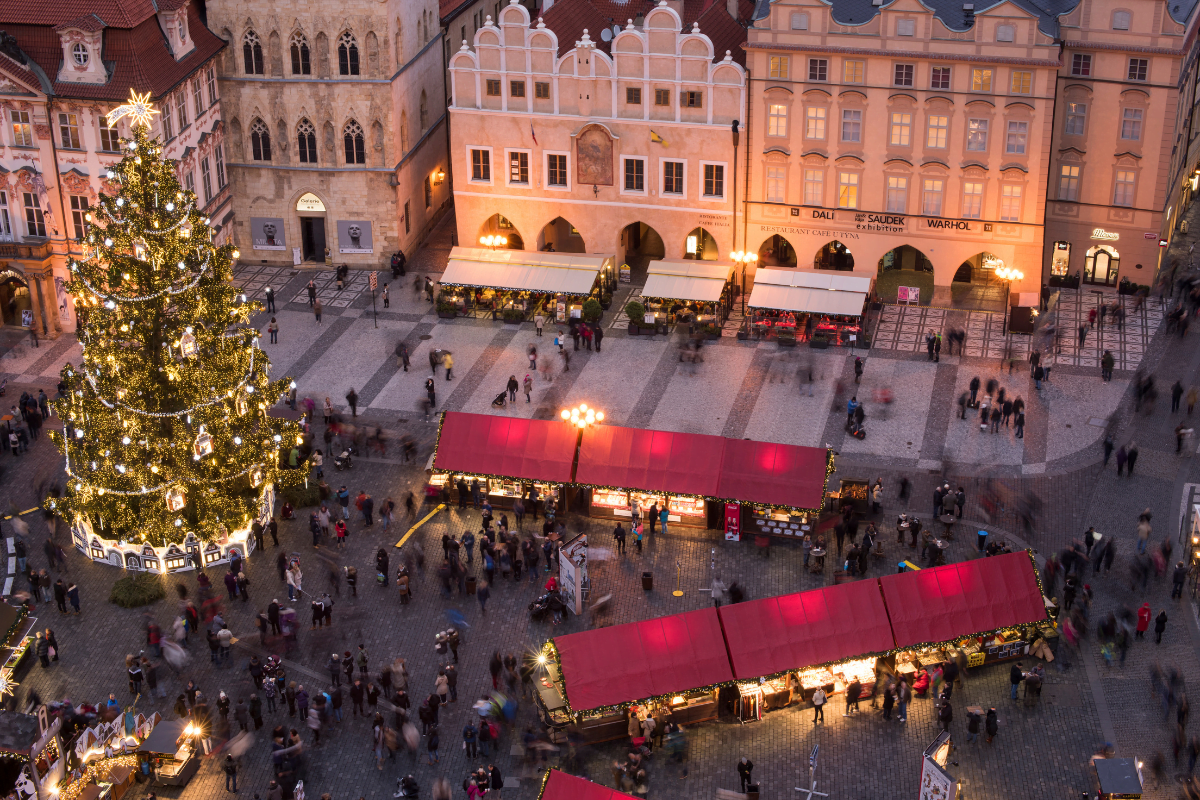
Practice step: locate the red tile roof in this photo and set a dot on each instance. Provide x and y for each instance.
(137, 57)
(21, 72)
(447, 8)
(115, 13)
(88, 22)
(569, 18)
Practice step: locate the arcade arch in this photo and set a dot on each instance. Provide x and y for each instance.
(560, 236)
(499, 225)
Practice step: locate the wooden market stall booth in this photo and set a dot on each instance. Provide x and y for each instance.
(511, 457)
(514, 285)
(774, 489)
(559, 785)
(172, 752)
(817, 305)
(595, 680)
(679, 290)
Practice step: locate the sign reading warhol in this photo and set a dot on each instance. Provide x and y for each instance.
(354, 236)
(266, 233)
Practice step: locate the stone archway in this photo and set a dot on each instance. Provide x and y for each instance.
(560, 236)
(905, 266)
(834, 255)
(777, 252)
(976, 286)
(700, 245)
(15, 297)
(499, 225)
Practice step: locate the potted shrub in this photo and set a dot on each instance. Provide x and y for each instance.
(592, 310)
(636, 313)
(513, 315)
(786, 339)
(606, 301)
(819, 341)
(711, 331)
(446, 309)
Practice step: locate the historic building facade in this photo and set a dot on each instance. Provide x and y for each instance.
(62, 68)
(618, 144)
(336, 127)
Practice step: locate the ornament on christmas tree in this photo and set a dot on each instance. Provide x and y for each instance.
(176, 499)
(187, 344)
(242, 403)
(204, 444)
(140, 249)
(256, 475)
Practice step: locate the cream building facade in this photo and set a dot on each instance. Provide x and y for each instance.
(336, 127)
(618, 144)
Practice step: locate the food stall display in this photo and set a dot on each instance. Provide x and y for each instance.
(805, 303)
(18, 635)
(172, 751)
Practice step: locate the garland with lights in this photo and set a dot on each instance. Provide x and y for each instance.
(165, 424)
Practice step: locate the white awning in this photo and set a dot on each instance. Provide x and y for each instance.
(810, 279)
(523, 270)
(686, 279)
(807, 301)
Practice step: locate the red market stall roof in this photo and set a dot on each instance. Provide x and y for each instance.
(654, 461)
(477, 444)
(773, 474)
(977, 596)
(561, 786)
(625, 663)
(801, 630)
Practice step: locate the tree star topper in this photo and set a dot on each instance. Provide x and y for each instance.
(139, 110)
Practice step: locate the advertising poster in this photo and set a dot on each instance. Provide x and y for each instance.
(354, 236)
(266, 233)
(733, 522)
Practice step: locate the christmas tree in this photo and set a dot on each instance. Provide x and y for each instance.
(165, 425)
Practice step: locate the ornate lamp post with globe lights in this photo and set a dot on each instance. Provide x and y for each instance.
(582, 417)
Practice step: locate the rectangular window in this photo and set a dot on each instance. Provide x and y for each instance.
(852, 71)
(1022, 82)
(691, 99)
(516, 88)
(931, 198)
(68, 127)
(518, 167)
(428, 193)
(1068, 182)
(189, 181)
(1076, 117)
(906, 27)
(814, 123)
(714, 180)
(851, 126)
(901, 135)
(903, 75)
(1081, 64)
(848, 190)
(897, 194)
(939, 78)
(556, 170)
(780, 67)
(972, 205)
(35, 224)
(198, 96)
(1131, 124)
(206, 179)
(493, 87)
(635, 175)
(407, 217)
(481, 165)
(776, 184)
(167, 118)
(814, 187)
(981, 80)
(662, 97)
(818, 69)
(181, 106)
(633, 96)
(110, 140)
(672, 177)
(977, 135)
(1018, 133)
(1123, 192)
(1138, 68)
(939, 131)
(219, 155)
(22, 130)
(210, 81)
(79, 207)
(777, 120)
(1010, 203)
(6, 234)
(799, 22)
(541, 90)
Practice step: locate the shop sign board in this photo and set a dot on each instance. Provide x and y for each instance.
(936, 782)
(625, 277)
(733, 522)
(908, 294)
(572, 572)
(1105, 236)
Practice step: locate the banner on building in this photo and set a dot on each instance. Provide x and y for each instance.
(266, 233)
(354, 236)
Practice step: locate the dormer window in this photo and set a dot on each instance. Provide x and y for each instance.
(79, 40)
(79, 53)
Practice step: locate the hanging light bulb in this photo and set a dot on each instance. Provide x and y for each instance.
(170, 206)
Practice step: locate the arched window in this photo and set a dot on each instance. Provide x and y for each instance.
(260, 140)
(306, 142)
(301, 65)
(252, 53)
(347, 54)
(356, 150)
(424, 113)
(1005, 33)
(403, 133)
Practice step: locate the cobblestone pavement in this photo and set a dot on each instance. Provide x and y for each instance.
(741, 389)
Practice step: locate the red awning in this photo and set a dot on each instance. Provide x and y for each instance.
(479, 444)
(773, 474)
(652, 461)
(561, 786)
(805, 629)
(624, 663)
(977, 596)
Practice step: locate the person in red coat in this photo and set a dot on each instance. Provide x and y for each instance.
(1143, 623)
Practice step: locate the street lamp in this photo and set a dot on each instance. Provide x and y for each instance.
(1009, 274)
(493, 241)
(745, 258)
(581, 417)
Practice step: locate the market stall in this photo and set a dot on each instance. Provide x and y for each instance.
(172, 752)
(510, 457)
(670, 666)
(807, 304)
(780, 488)
(514, 284)
(992, 609)
(783, 648)
(688, 290)
(559, 785)
(32, 747)
(626, 466)
(17, 632)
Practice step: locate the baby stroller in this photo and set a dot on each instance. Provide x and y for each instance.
(501, 400)
(342, 460)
